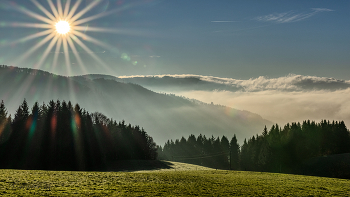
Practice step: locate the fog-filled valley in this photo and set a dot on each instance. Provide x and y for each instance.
(290, 98)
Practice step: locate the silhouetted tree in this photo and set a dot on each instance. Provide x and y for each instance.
(235, 151)
(59, 137)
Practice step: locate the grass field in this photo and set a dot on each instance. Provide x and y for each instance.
(190, 182)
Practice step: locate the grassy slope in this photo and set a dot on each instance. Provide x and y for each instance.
(167, 183)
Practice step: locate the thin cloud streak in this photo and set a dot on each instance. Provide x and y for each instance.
(224, 21)
(291, 16)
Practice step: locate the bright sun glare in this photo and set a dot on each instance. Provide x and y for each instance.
(65, 28)
(62, 27)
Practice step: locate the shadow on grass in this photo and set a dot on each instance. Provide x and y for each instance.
(137, 165)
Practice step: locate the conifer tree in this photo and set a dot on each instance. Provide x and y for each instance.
(4, 130)
(234, 151)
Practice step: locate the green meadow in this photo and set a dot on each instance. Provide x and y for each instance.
(167, 183)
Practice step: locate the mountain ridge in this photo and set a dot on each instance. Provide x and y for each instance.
(163, 116)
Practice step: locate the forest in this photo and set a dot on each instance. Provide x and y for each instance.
(60, 136)
(275, 150)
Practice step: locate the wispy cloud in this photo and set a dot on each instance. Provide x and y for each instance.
(291, 16)
(289, 83)
(281, 100)
(322, 9)
(224, 21)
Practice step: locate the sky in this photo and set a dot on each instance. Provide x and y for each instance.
(235, 39)
(253, 41)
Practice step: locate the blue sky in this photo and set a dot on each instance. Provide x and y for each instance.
(235, 39)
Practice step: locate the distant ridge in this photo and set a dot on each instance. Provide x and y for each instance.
(163, 116)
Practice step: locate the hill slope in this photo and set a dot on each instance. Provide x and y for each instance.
(163, 116)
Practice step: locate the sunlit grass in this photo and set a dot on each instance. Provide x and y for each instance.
(168, 183)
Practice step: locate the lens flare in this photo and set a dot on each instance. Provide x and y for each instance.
(64, 33)
(62, 27)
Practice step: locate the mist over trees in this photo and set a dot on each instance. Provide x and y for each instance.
(60, 136)
(275, 150)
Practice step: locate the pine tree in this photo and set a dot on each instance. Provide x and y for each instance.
(3, 123)
(234, 153)
(264, 133)
(244, 156)
(3, 111)
(5, 132)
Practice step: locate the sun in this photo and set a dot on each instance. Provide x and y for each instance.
(62, 27)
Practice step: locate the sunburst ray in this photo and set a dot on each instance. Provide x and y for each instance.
(53, 8)
(92, 40)
(97, 29)
(73, 10)
(113, 30)
(47, 13)
(91, 53)
(46, 53)
(57, 52)
(34, 15)
(94, 17)
(66, 54)
(76, 54)
(81, 13)
(66, 37)
(66, 9)
(59, 9)
(35, 47)
(68, 62)
(91, 18)
(33, 36)
(29, 25)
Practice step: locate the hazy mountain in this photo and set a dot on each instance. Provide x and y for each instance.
(290, 98)
(170, 83)
(163, 116)
(289, 83)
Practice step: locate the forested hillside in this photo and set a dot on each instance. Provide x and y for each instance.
(295, 148)
(60, 136)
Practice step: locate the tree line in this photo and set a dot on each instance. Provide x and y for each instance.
(60, 136)
(285, 149)
(275, 150)
(211, 152)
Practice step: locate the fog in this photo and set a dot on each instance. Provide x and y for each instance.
(283, 107)
(290, 98)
